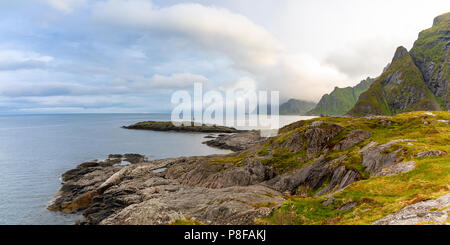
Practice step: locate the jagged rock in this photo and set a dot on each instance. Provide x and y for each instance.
(353, 138)
(431, 153)
(314, 175)
(318, 135)
(433, 211)
(375, 158)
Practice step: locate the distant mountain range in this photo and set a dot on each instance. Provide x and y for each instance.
(415, 80)
(296, 107)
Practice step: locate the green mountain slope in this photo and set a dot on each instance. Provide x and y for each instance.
(341, 100)
(430, 53)
(400, 88)
(296, 107)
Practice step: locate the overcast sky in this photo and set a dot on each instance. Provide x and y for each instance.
(130, 55)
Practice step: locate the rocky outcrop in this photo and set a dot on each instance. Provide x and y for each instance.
(382, 159)
(236, 142)
(314, 176)
(433, 211)
(318, 135)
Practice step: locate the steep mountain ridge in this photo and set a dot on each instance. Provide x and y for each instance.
(341, 100)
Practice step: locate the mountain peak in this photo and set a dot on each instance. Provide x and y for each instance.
(441, 18)
(399, 53)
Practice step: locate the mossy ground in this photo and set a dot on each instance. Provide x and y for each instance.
(379, 196)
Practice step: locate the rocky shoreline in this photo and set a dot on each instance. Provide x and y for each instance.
(238, 188)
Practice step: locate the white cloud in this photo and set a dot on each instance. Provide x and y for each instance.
(65, 6)
(251, 47)
(18, 60)
(141, 84)
(176, 81)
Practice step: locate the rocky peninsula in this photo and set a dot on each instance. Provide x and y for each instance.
(169, 126)
(326, 170)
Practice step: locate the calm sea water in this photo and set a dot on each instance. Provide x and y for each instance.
(36, 149)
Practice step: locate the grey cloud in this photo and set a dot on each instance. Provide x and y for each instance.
(22, 65)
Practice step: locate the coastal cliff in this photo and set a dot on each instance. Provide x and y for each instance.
(330, 170)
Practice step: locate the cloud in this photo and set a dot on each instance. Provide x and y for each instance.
(119, 86)
(66, 6)
(176, 81)
(142, 84)
(18, 60)
(251, 47)
(29, 89)
(362, 57)
(213, 28)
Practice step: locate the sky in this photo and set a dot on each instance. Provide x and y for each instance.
(91, 56)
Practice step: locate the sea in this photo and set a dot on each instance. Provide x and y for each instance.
(36, 149)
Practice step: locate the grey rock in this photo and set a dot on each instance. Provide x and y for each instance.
(433, 211)
(431, 153)
(348, 206)
(329, 201)
(230, 206)
(318, 135)
(375, 159)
